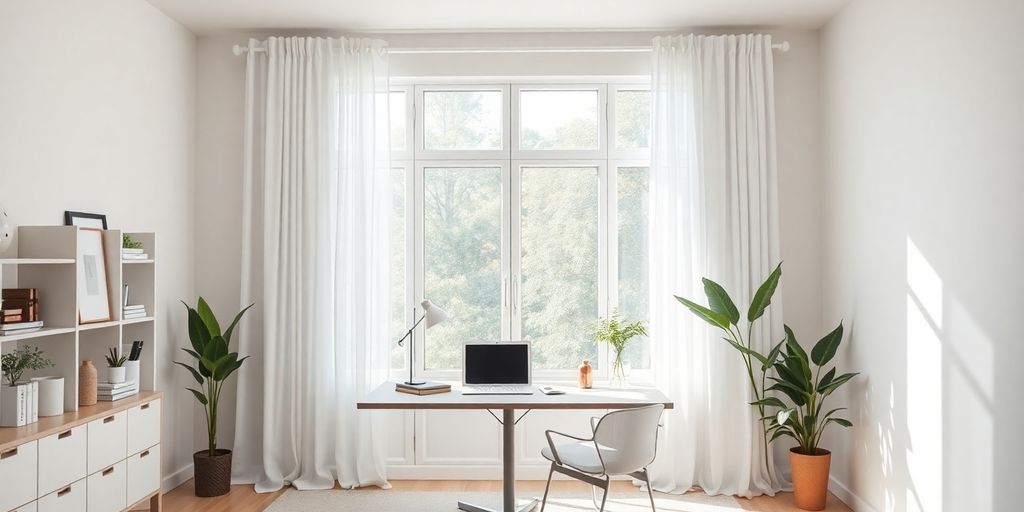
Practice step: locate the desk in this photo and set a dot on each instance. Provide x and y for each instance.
(385, 397)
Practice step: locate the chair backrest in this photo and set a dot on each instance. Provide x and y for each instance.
(628, 439)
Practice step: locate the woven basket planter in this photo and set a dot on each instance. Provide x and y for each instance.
(212, 474)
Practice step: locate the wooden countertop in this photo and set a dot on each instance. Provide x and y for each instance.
(14, 436)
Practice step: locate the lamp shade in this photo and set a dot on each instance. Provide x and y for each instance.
(433, 313)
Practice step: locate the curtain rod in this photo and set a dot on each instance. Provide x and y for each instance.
(782, 47)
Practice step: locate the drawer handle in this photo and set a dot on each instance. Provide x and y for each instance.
(9, 453)
(108, 471)
(108, 419)
(143, 454)
(64, 435)
(63, 491)
(144, 407)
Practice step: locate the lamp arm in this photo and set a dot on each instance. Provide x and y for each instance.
(411, 329)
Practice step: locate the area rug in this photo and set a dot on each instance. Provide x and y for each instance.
(402, 501)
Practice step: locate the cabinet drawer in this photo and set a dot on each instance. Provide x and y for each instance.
(70, 498)
(62, 459)
(143, 426)
(105, 490)
(18, 476)
(29, 507)
(143, 474)
(107, 441)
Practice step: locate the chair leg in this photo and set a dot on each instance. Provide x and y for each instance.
(547, 487)
(604, 498)
(650, 492)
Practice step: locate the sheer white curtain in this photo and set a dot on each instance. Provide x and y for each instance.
(315, 261)
(714, 210)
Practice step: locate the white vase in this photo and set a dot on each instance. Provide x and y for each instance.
(13, 405)
(131, 372)
(115, 375)
(51, 395)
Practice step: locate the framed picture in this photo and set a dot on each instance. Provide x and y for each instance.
(93, 296)
(85, 220)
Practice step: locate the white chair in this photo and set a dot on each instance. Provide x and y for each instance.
(623, 443)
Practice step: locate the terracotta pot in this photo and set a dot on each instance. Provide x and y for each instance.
(810, 478)
(212, 474)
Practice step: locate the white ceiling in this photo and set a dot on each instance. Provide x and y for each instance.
(214, 16)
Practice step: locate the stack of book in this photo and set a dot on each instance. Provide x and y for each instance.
(107, 392)
(133, 254)
(20, 328)
(134, 311)
(19, 305)
(427, 388)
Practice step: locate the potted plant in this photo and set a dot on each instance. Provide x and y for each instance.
(14, 364)
(213, 364)
(115, 365)
(803, 420)
(617, 333)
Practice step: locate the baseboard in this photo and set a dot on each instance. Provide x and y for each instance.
(849, 497)
(177, 478)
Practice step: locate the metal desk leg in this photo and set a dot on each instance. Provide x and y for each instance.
(508, 490)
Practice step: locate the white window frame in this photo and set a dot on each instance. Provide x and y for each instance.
(511, 160)
(614, 152)
(406, 154)
(601, 153)
(421, 153)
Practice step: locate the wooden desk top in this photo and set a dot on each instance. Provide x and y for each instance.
(14, 436)
(385, 397)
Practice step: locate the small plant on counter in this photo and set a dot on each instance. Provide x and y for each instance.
(22, 359)
(115, 359)
(617, 333)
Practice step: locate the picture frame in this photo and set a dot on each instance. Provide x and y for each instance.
(93, 293)
(85, 220)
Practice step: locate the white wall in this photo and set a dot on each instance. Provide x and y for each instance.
(97, 104)
(923, 245)
(219, 148)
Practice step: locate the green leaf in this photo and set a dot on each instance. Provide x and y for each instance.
(720, 301)
(199, 396)
(793, 376)
(747, 351)
(773, 355)
(712, 317)
(838, 381)
(841, 421)
(795, 395)
(198, 334)
(763, 296)
(793, 347)
(209, 319)
(193, 371)
(231, 328)
(825, 349)
(784, 416)
(779, 433)
(770, 401)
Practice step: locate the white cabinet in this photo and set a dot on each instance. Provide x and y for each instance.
(70, 498)
(143, 473)
(107, 441)
(62, 459)
(143, 426)
(28, 507)
(105, 490)
(18, 468)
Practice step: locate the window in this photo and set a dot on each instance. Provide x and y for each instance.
(517, 223)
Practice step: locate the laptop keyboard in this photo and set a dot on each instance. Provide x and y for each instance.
(497, 390)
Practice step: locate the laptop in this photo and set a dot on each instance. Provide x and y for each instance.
(496, 368)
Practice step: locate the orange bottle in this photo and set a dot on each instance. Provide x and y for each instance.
(586, 377)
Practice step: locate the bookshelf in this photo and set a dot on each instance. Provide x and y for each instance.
(47, 260)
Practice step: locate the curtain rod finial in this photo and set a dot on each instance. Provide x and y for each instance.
(784, 47)
(237, 50)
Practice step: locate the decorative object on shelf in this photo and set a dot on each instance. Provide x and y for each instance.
(806, 389)
(617, 333)
(18, 400)
(51, 395)
(93, 296)
(434, 315)
(87, 383)
(114, 391)
(20, 303)
(20, 328)
(115, 365)
(722, 313)
(6, 230)
(586, 376)
(133, 311)
(132, 249)
(214, 363)
(85, 220)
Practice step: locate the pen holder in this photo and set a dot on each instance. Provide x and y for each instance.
(131, 371)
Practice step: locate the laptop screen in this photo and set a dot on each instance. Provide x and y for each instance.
(497, 363)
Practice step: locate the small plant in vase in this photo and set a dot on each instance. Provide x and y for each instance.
(127, 242)
(14, 364)
(115, 365)
(617, 333)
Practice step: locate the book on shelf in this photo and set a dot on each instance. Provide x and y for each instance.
(115, 397)
(19, 293)
(133, 307)
(427, 388)
(129, 315)
(142, 256)
(115, 386)
(11, 318)
(128, 250)
(21, 326)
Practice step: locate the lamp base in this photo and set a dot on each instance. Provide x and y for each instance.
(414, 383)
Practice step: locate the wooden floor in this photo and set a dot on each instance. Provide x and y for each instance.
(244, 498)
